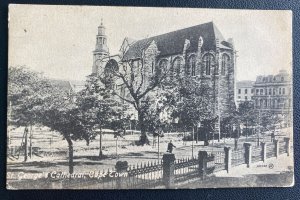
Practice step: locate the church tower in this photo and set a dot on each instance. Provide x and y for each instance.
(101, 49)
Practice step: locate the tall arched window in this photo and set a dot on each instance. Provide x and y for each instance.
(208, 60)
(163, 66)
(225, 61)
(177, 65)
(192, 65)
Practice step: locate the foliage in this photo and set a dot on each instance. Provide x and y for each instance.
(192, 105)
(27, 91)
(247, 113)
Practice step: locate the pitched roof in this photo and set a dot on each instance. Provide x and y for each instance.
(247, 83)
(172, 43)
(63, 84)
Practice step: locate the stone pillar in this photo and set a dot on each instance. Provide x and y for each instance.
(236, 140)
(228, 158)
(202, 158)
(287, 146)
(264, 151)
(168, 170)
(276, 149)
(248, 153)
(121, 167)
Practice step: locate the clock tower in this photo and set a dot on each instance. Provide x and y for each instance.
(101, 50)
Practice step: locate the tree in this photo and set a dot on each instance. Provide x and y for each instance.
(37, 100)
(27, 91)
(192, 106)
(247, 115)
(103, 111)
(139, 77)
(269, 120)
(67, 117)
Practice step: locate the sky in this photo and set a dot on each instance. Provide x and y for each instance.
(59, 40)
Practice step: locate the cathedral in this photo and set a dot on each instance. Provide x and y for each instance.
(200, 52)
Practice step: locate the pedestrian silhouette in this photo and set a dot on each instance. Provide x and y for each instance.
(170, 146)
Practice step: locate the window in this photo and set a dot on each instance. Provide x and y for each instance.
(177, 65)
(270, 91)
(283, 90)
(279, 90)
(246, 98)
(246, 91)
(163, 66)
(239, 91)
(266, 91)
(282, 79)
(152, 67)
(274, 91)
(257, 91)
(191, 66)
(261, 91)
(225, 61)
(266, 102)
(208, 61)
(252, 91)
(239, 97)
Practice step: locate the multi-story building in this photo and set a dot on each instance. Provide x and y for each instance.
(200, 52)
(244, 91)
(274, 93)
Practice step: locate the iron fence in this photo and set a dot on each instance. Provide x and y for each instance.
(186, 169)
(256, 154)
(238, 157)
(144, 176)
(270, 150)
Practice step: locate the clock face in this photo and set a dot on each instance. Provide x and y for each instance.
(98, 63)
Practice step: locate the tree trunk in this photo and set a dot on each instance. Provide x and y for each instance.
(26, 144)
(71, 163)
(100, 145)
(143, 138)
(30, 143)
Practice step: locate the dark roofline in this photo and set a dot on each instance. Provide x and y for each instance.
(166, 46)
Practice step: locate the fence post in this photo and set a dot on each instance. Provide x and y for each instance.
(121, 168)
(168, 170)
(228, 158)
(287, 145)
(248, 153)
(264, 151)
(236, 140)
(202, 158)
(276, 149)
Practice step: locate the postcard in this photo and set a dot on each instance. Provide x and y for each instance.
(106, 97)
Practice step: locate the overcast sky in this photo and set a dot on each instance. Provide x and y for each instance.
(59, 40)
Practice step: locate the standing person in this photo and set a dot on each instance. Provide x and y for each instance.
(272, 136)
(170, 146)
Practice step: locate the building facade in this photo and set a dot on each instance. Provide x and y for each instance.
(200, 52)
(274, 93)
(244, 91)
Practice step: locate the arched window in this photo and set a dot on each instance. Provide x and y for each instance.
(225, 61)
(177, 65)
(163, 66)
(191, 66)
(208, 62)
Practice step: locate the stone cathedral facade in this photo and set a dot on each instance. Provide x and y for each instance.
(199, 51)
